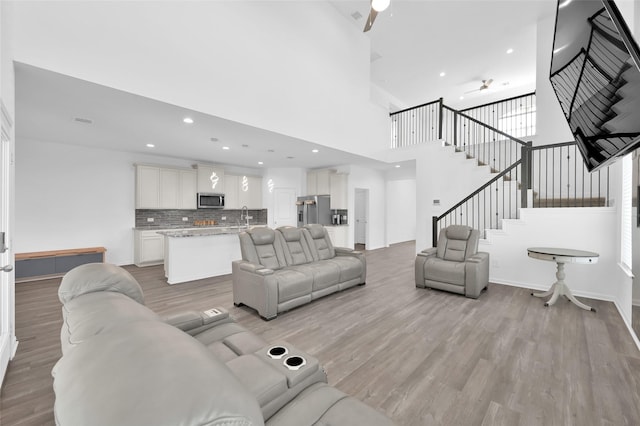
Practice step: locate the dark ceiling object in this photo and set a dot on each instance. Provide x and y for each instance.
(372, 17)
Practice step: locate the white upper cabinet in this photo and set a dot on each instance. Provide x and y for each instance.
(231, 186)
(250, 192)
(339, 199)
(165, 188)
(323, 185)
(147, 187)
(210, 178)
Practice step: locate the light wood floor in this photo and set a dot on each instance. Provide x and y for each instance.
(422, 357)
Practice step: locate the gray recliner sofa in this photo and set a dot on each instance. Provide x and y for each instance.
(123, 365)
(455, 265)
(288, 267)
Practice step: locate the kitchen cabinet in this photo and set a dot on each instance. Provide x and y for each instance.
(165, 188)
(148, 247)
(243, 191)
(210, 178)
(147, 187)
(339, 235)
(318, 182)
(338, 191)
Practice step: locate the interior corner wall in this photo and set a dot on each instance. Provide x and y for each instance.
(551, 125)
(401, 210)
(296, 68)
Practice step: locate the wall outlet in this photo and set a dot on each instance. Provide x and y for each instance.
(223, 218)
(436, 202)
(150, 219)
(185, 219)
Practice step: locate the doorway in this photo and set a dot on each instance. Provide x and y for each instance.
(284, 207)
(361, 214)
(7, 305)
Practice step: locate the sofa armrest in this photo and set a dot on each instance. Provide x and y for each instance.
(194, 322)
(254, 268)
(476, 274)
(421, 259)
(255, 286)
(343, 251)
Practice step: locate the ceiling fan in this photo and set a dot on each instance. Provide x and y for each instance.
(485, 85)
(376, 6)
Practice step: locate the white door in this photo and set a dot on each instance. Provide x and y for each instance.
(284, 207)
(7, 304)
(361, 206)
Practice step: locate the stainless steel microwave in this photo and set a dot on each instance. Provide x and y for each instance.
(208, 200)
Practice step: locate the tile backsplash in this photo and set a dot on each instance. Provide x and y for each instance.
(173, 218)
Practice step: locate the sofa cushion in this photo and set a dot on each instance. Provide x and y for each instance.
(319, 242)
(444, 271)
(292, 284)
(230, 340)
(261, 247)
(324, 273)
(98, 277)
(296, 248)
(350, 267)
(148, 373)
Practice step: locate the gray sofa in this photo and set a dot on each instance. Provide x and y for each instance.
(124, 365)
(288, 267)
(455, 265)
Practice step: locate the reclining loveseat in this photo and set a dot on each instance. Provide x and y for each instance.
(288, 267)
(122, 364)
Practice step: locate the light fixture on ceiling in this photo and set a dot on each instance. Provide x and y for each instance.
(461, 97)
(150, 145)
(315, 151)
(260, 163)
(214, 139)
(83, 120)
(271, 150)
(226, 148)
(509, 51)
(380, 5)
(442, 74)
(565, 3)
(187, 120)
(397, 166)
(244, 145)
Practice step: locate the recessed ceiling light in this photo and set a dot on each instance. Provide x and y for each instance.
(150, 145)
(244, 145)
(315, 151)
(442, 74)
(509, 51)
(260, 162)
(397, 166)
(214, 139)
(187, 120)
(270, 150)
(461, 97)
(290, 158)
(225, 148)
(83, 120)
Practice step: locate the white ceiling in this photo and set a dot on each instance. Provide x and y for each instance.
(415, 40)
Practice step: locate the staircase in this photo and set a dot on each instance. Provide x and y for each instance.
(514, 175)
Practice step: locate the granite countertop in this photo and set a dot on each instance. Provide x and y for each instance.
(191, 227)
(203, 232)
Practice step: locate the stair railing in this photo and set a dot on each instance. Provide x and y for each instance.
(483, 209)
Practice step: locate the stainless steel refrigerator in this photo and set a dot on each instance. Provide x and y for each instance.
(314, 209)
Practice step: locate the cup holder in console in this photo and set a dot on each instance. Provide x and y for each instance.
(277, 352)
(294, 362)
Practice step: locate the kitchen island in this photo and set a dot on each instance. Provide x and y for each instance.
(193, 254)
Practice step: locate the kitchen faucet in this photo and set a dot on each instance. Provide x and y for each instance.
(245, 214)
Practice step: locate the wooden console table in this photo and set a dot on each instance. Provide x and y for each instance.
(42, 265)
(562, 256)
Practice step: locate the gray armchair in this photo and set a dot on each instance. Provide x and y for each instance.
(455, 265)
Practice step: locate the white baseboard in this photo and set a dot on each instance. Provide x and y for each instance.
(629, 326)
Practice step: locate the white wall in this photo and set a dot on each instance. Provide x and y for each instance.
(69, 197)
(551, 125)
(401, 210)
(295, 68)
